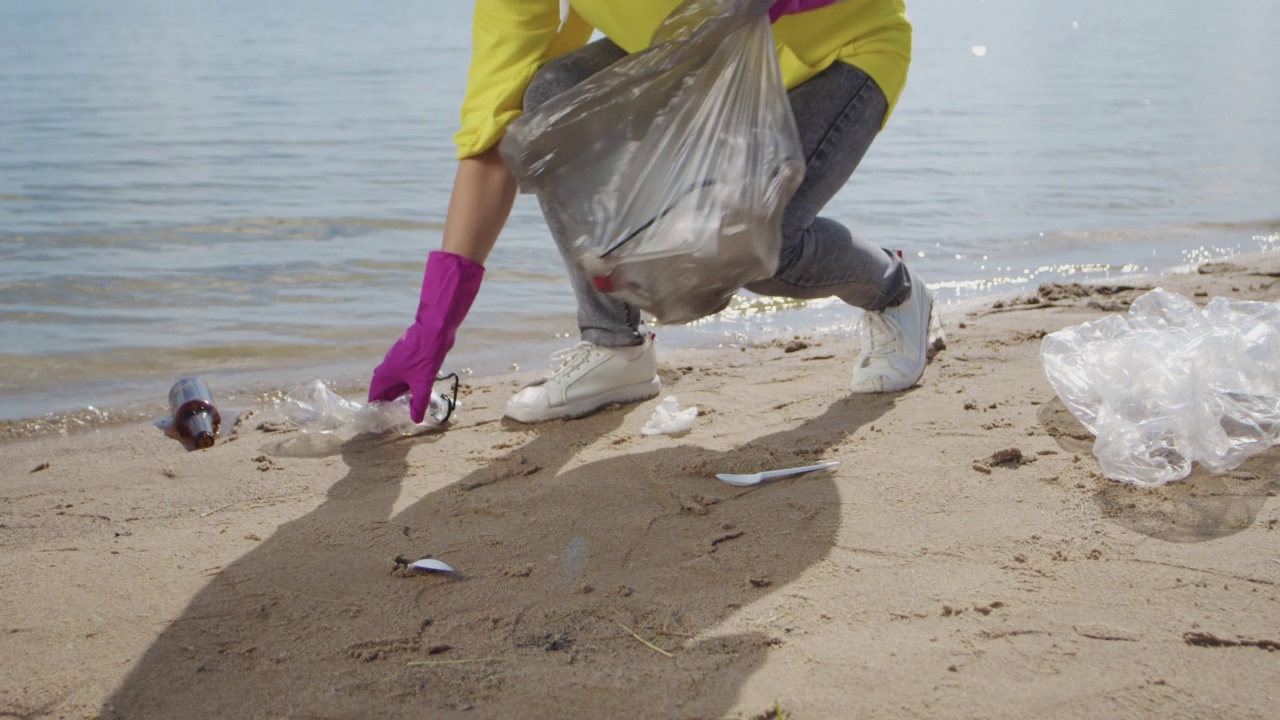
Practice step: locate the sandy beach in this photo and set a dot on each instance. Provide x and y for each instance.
(965, 560)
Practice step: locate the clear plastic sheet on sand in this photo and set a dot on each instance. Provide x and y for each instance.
(1172, 384)
(670, 169)
(315, 407)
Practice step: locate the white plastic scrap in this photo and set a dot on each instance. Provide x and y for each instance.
(1171, 384)
(430, 565)
(669, 419)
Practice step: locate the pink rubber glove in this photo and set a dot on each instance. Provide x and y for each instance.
(790, 7)
(449, 286)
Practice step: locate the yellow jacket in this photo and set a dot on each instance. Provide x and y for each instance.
(513, 38)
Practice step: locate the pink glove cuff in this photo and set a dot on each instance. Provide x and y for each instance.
(449, 285)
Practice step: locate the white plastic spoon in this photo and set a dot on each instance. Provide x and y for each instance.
(757, 478)
(430, 565)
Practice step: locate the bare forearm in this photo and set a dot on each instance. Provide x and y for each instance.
(483, 193)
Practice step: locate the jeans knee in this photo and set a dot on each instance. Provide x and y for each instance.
(568, 70)
(547, 83)
(789, 254)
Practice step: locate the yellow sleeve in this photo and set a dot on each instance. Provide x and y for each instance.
(511, 39)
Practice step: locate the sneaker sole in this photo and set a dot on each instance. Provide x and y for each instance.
(924, 358)
(924, 355)
(629, 394)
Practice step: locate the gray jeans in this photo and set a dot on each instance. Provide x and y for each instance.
(839, 113)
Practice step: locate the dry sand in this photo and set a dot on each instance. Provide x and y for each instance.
(605, 574)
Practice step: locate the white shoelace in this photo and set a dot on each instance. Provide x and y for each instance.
(882, 334)
(570, 358)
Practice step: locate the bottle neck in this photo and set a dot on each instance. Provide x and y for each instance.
(200, 428)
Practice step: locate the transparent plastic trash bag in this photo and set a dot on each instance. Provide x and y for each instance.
(671, 168)
(1172, 384)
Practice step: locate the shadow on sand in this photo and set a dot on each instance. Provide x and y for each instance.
(560, 562)
(1204, 506)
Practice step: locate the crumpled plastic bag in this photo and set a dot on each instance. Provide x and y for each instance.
(669, 419)
(671, 168)
(1172, 384)
(316, 408)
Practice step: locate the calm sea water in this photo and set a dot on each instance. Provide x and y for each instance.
(247, 190)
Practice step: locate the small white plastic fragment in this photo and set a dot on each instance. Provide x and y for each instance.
(430, 565)
(669, 419)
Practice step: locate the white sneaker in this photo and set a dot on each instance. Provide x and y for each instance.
(587, 378)
(895, 344)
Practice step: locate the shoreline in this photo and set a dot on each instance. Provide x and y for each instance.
(256, 390)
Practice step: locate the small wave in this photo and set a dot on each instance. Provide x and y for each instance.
(71, 422)
(355, 223)
(270, 228)
(1255, 226)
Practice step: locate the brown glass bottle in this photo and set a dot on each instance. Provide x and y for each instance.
(194, 415)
